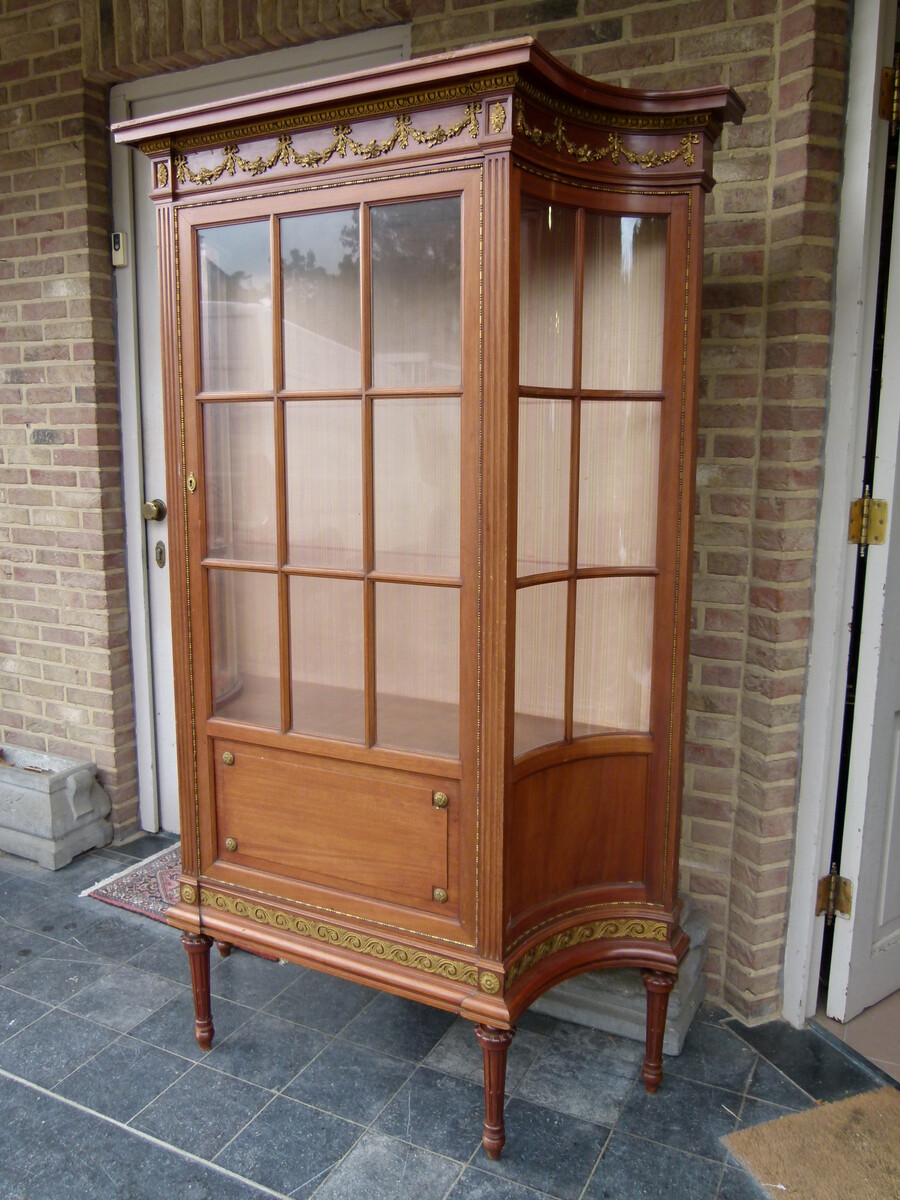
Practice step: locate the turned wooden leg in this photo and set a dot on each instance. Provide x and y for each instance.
(198, 946)
(658, 984)
(494, 1046)
(224, 948)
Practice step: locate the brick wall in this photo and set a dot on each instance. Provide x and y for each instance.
(64, 674)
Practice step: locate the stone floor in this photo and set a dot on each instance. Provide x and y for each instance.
(317, 1087)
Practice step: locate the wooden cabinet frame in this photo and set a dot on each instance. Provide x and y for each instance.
(320, 849)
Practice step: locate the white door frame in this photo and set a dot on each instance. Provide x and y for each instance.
(230, 78)
(872, 45)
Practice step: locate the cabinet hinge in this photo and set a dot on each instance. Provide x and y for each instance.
(834, 896)
(868, 522)
(889, 94)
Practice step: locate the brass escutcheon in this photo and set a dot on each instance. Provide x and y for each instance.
(228, 758)
(230, 844)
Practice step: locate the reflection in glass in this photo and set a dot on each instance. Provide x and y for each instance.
(416, 293)
(327, 657)
(540, 665)
(239, 453)
(619, 479)
(547, 294)
(416, 456)
(320, 275)
(243, 634)
(613, 654)
(323, 457)
(235, 307)
(417, 667)
(545, 430)
(624, 296)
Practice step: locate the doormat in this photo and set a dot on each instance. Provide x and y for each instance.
(149, 888)
(848, 1150)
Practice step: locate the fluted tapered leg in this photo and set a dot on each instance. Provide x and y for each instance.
(658, 984)
(494, 1046)
(198, 946)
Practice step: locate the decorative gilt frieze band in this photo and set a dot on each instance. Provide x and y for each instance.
(343, 939)
(615, 148)
(344, 144)
(637, 928)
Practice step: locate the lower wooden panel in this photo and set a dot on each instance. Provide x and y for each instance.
(358, 831)
(574, 830)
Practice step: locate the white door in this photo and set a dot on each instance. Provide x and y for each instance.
(865, 963)
(140, 384)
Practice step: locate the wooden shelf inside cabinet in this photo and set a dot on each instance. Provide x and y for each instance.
(430, 351)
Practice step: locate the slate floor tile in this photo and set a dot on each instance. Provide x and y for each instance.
(739, 1185)
(290, 1147)
(52, 1047)
(21, 895)
(172, 1026)
(459, 1053)
(714, 1055)
(634, 1169)
(349, 1080)
(321, 1001)
(381, 1168)
(475, 1184)
(583, 1072)
(683, 1114)
(165, 956)
(58, 974)
(546, 1150)
(146, 845)
(807, 1059)
(19, 946)
(17, 1011)
(758, 1112)
(61, 917)
(123, 1078)
(249, 979)
(769, 1084)
(404, 1027)
(120, 935)
(43, 1143)
(267, 1051)
(123, 998)
(438, 1112)
(202, 1111)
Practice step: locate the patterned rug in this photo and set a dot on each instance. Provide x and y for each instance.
(148, 888)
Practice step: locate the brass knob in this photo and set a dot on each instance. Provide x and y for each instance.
(154, 510)
(230, 844)
(228, 758)
(440, 799)
(440, 895)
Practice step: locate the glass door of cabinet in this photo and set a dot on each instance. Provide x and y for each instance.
(592, 395)
(327, 400)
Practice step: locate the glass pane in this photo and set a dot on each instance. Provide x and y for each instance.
(545, 454)
(540, 665)
(416, 293)
(613, 652)
(239, 449)
(320, 277)
(416, 453)
(547, 292)
(236, 307)
(243, 635)
(323, 456)
(624, 296)
(417, 667)
(619, 479)
(327, 657)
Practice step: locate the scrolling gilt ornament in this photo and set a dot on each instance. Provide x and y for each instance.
(640, 929)
(344, 144)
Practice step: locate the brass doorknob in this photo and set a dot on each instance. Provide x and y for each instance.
(230, 844)
(228, 758)
(154, 510)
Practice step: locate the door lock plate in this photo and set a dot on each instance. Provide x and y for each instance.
(159, 553)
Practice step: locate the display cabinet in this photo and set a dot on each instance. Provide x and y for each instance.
(430, 343)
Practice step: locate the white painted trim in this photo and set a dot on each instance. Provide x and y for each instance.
(136, 98)
(823, 712)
